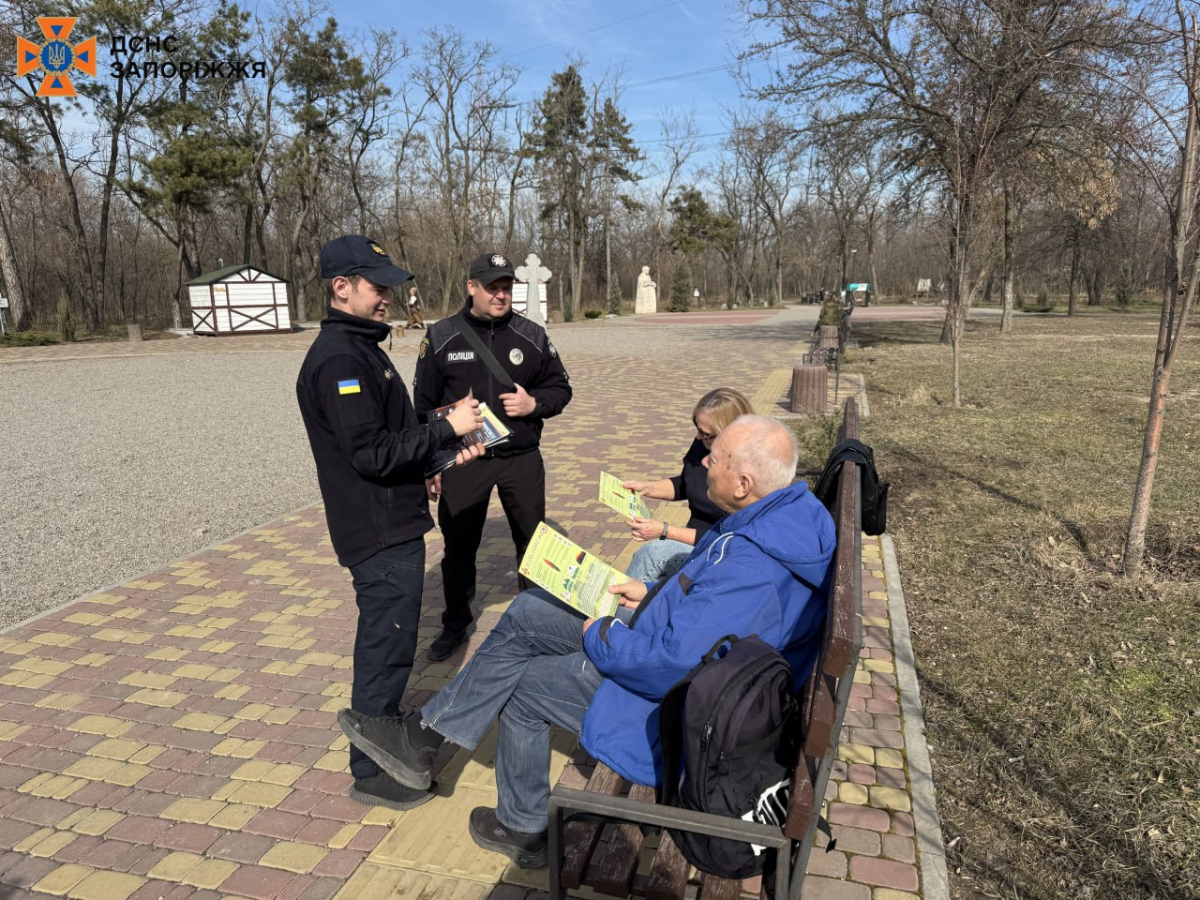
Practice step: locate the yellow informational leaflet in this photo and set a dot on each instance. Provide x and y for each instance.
(570, 573)
(628, 503)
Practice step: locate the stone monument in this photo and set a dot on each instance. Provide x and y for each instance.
(646, 300)
(533, 273)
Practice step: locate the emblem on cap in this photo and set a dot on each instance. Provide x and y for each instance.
(377, 249)
(515, 356)
(499, 261)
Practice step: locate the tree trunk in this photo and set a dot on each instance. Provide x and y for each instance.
(176, 312)
(1172, 323)
(248, 234)
(1006, 308)
(18, 311)
(1073, 287)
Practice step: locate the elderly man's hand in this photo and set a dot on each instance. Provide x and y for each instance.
(631, 593)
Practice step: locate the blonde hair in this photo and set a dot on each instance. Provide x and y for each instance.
(723, 405)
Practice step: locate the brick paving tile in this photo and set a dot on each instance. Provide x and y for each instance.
(276, 824)
(818, 888)
(157, 780)
(899, 848)
(860, 817)
(368, 838)
(188, 837)
(79, 848)
(152, 858)
(875, 737)
(322, 889)
(45, 811)
(902, 823)
(257, 882)
(241, 848)
(107, 854)
(341, 808)
(319, 832)
(884, 872)
(296, 887)
(891, 777)
(151, 804)
(862, 774)
(831, 865)
(12, 832)
(94, 794)
(300, 802)
(339, 863)
(26, 871)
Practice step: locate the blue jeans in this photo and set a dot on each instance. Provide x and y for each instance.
(387, 589)
(656, 560)
(530, 673)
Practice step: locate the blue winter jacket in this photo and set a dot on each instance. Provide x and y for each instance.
(763, 570)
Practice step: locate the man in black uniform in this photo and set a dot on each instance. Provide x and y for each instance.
(370, 451)
(524, 384)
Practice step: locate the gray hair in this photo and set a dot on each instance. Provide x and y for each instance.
(768, 451)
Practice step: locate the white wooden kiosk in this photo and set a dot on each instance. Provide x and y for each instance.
(240, 299)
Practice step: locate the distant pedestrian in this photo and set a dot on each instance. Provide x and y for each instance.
(414, 310)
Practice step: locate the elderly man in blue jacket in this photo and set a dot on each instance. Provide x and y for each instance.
(763, 569)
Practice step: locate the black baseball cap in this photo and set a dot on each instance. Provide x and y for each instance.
(353, 254)
(487, 268)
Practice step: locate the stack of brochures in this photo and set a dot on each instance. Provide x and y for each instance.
(492, 432)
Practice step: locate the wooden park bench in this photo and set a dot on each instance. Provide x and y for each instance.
(598, 834)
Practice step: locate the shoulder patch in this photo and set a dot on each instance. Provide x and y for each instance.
(553, 352)
(349, 386)
(424, 347)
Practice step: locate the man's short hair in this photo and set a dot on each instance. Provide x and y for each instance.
(769, 452)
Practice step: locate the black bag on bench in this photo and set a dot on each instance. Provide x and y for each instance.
(728, 742)
(874, 492)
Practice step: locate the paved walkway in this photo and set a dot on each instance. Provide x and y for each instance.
(174, 736)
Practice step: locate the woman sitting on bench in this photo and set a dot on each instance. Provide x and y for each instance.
(668, 546)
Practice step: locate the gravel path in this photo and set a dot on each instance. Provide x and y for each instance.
(110, 467)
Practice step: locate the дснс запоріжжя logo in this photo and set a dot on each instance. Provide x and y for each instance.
(56, 57)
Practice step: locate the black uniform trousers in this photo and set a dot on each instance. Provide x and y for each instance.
(387, 589)
(466, 491)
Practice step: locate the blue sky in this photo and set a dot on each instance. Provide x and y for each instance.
(658, 44)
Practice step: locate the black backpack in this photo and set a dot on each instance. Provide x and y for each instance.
(874, 492)
(729, 741)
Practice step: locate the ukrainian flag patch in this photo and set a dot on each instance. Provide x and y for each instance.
(349, 386)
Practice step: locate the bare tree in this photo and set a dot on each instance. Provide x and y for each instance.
(1183, 269)
(947, 81)
(468, 93)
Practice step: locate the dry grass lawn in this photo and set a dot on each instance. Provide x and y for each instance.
(1063, 699)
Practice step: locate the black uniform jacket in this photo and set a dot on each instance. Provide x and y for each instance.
(447, 368)
(368, 444)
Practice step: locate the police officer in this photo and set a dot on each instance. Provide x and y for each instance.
(531, 387)
(370, 451)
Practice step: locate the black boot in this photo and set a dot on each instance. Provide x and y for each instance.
(527, 850)
(397, 744)
(383, 790)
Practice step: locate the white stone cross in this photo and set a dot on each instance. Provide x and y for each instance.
(533, 273)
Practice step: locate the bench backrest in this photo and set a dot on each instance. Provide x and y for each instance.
(827, 692)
